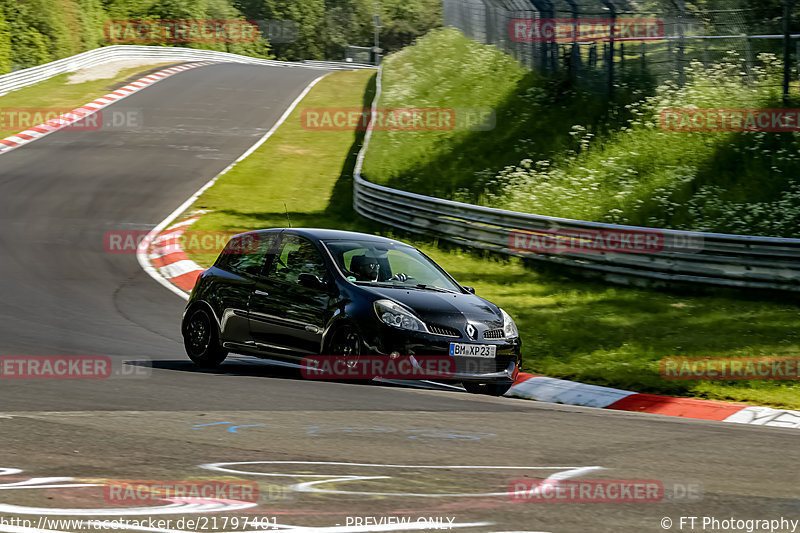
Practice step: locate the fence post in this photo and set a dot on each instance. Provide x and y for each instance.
(680, 5)
(797, 55)
(787, 47)
(644, 57)
(749, 59)
(489, 24)
(575, 52)
(545, 9)
(613, 30)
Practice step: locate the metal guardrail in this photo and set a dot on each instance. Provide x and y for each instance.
(742, 261)
(98, 56)
(710, 258)
(343, 65)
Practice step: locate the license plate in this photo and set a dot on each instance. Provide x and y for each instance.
(473, 350)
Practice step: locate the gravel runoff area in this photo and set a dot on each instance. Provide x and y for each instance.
(110, 69)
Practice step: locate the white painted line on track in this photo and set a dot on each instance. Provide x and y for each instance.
(562, 473)
(141, 252)
(66, 119)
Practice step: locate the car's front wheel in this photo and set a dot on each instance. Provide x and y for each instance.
(472, 387)
(201, 340)
(497, 389)
(346, 342)
(492, 389)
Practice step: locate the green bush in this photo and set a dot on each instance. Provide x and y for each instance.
(561, 148)
(327, 26)
(37, 31)
(5, 46)
(533, 115)
(641, 174)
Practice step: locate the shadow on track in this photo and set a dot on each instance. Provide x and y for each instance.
(247, 366)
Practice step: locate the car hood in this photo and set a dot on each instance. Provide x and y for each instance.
(444, 308)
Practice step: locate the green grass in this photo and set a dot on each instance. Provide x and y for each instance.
(533, 116)
(57, 94)
(571, 329)
(562, 148)
(297, 170)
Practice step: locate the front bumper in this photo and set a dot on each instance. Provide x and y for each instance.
(503, 368)
(507, 375)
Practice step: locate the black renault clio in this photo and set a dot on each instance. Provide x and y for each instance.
(290, 293)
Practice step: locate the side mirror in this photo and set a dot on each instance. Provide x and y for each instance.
(470, 290)
(310, 281)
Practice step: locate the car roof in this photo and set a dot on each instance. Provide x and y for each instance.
(321, 234)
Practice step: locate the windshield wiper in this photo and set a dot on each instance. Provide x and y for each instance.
(433, 288)
(400, 285)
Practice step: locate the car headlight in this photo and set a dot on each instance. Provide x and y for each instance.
(397, 316)
(509, 328)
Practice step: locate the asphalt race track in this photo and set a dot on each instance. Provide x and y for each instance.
(63, 294)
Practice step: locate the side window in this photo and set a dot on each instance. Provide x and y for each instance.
(296, 256)
(245, 254)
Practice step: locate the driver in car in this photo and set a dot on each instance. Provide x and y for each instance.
(368, 269)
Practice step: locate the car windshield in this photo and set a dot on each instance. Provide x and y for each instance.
(389, 264)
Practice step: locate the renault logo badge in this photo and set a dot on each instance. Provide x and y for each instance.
(472, 332)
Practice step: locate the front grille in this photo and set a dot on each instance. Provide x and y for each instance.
(444, 330)
(493, 334)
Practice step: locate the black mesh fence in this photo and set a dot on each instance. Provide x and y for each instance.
(611, 39)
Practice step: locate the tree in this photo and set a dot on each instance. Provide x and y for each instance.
(5, 45)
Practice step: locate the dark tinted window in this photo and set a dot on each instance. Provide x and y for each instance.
(387, 262)
(245, 254)
(296, 256)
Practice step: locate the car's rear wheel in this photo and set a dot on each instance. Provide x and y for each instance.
(201, 340)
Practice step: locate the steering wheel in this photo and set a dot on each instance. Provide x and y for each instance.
(400, 277)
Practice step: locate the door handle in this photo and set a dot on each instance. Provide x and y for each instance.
(261, 293)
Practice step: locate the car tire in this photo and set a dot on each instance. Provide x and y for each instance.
(201, 340)
(497, 389)
(347, 342)
(472, 387)
(492, 389)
